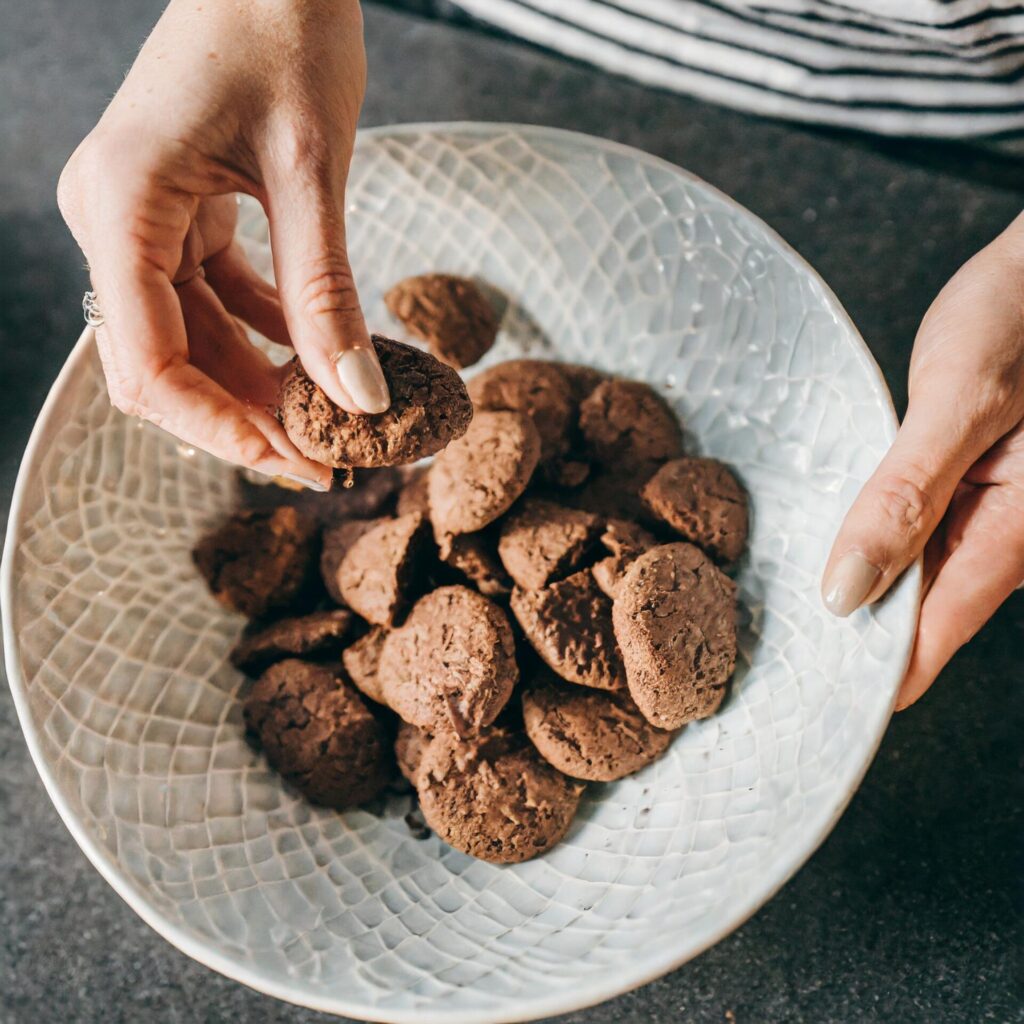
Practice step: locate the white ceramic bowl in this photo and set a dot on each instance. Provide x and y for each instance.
(116, 653)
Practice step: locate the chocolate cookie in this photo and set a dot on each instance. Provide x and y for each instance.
(675, 619)
(626, 422)
(413, 496)
(495, 798)
(362, 661)
(476, 478)
(410, 745)
(588, 734)
(317, 732)
(475, 556)
(429, 408)
(534, 387)
(449, 313)
(315, 635)
(378, 572)
(702, 501)
(541, 541)
(582, 380)
(564, 471)
(569, 624)
(625, 543)
(259, 562)
(613, 492)
(337, 540)
(452, 665)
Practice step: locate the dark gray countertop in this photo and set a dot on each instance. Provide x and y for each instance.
(911, 910)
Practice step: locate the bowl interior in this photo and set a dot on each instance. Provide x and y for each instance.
(117, 654)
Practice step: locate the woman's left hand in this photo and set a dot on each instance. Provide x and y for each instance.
(952, 485)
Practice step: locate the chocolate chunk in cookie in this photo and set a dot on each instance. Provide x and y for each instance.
(625, 422)
(378, 572)
(675, 619)
(495, 798)
(569, 624)
(703, 502)
(413, 496)
(452, 666)
(318, 634)
(475, 556)
(535, 388)
(317, 732)
(451, 314)
(362, 663)
(625, 543)
(259, 562)
(478, 477)
(541, 541)
(429, 408)
(588, 734)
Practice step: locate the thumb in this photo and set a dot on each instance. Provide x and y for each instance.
(317, 289)
(898, 508)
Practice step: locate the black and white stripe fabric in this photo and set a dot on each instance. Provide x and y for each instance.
(946, 68)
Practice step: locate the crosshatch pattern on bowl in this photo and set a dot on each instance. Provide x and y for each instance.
(606, 257)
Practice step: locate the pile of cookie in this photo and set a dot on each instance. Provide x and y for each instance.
(543, 606)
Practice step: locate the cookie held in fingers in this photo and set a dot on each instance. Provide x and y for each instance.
(451, 314)
(377, 574)
(569, 624)
(703, 502)
(429, 408)
(628, 422)
(535, 388)
(588, 734)
(451, 666)
(542, 541)
(675, 620)
(478, 477)
(316, 731)
(315, 635)
(259, 562)
(495, 797)
(362, 663)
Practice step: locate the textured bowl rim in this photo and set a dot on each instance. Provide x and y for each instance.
(609, 984)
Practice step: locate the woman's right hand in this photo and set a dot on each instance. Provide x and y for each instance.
(258, 96)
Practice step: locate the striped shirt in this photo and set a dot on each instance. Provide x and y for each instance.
(940, 68)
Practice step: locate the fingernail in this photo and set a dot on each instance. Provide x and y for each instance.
(312, 485)
(361, 376)
(849, 583)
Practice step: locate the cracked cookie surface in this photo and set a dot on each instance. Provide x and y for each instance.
(429, 408)
(675, 620)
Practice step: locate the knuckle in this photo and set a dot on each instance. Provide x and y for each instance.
(330, 290)
(905, 506)
(127, 398)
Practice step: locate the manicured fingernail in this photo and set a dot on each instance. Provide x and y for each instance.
(312, 485)
(361, 376)
(849, 583)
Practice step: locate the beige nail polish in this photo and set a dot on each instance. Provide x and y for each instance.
(361, 376)
(848, 584)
